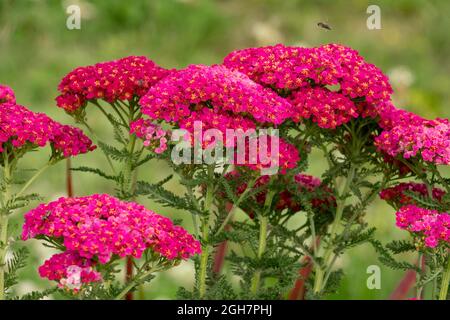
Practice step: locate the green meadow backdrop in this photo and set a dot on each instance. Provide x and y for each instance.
(37, 50)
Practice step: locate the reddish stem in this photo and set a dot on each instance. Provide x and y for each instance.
(129, 276)
(69, 182)
(405, 285)
(299, 290)
(221, 250)
(219, 256)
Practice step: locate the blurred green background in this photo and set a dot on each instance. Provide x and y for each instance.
(37, 50)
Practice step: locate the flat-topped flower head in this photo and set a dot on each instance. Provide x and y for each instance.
(307, 75)
(124, 79)
(101, 226)
(278, 67)
(186, 92)
(23, 128)
(292, 68)
(7, 95)
(429, 140)
(430, 227)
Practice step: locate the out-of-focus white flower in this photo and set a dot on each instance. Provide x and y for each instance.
(401, 76)
(266, 33)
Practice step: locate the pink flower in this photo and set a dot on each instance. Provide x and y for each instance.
(7, 95)
(259, 154)
(304, 73)
(23, 128)
(153, 135)
(102, 226)
(326, 108)
(432, 225)
(428, 139)
(123, 79)
(70, 270)
(214, 95)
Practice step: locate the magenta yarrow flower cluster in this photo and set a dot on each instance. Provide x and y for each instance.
(327, 109)
(22, 127)
(292, 70)
(229, 94)
(70, 271)
(122, 79)
(286, 156)
(100, 227)
(7, 95)
(397, 194)
(153, 135)
(429, 226)
(430, 140)
(390, 117)
(220, 99)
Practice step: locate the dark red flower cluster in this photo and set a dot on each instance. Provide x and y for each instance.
(396, 195)
(322, 198)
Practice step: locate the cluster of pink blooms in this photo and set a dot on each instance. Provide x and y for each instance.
(100, 227)
(327, 109)
(397, 196)
(153, 135)
(122, 79)
(305, 183)
(70, 270)
(262, 157)
(21, 127)
(297, 69)
(430, 140)
(211, 119)
(182, 96)
(389, 117)
(6, 94)
(430, 225)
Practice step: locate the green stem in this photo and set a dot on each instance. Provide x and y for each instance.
(3, 249)
(236, 205)
(261, 248)
(263, 223)
(97, 139)
(445, 282)
(32, 179)
(434, 285)
(134, 283)
(318, 279)
(319, 282)
(4, 216)
(419, 289)
(205, 233)
(127, 170)
(128, 167)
